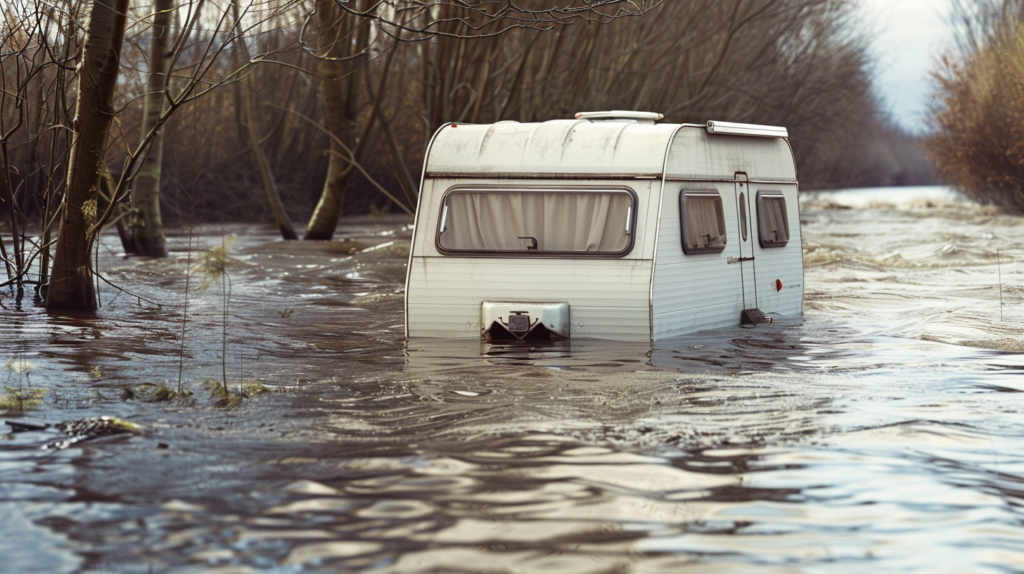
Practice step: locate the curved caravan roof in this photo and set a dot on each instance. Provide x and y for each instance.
(604, 148)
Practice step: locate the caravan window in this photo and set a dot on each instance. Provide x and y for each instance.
(703, 221)
(531, 223)
(772, 219)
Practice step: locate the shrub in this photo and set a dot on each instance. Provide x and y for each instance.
(978, 144)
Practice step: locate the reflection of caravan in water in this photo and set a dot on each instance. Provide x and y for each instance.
(608, 226)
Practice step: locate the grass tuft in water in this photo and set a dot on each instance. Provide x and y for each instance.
(151, 393)
(254, 389)
(221, 396)
(213, 264)
(14, 400)
(225, 399)
(380, 212)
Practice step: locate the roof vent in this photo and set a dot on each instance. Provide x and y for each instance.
(644, 117)
(731, 129)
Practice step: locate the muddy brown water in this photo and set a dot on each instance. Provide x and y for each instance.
(883, 432)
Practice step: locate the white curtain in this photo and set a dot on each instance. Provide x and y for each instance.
(564, 221)
(704, 222)
(774, 228)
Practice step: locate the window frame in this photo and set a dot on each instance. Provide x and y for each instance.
(631, 222)
(720, 213)
(772, 194)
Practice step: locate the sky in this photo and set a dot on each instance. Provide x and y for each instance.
(909, 36)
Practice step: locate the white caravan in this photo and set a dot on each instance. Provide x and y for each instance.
(608, 226)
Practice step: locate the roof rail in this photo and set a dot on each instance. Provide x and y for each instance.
(731, 129)
(620, 115)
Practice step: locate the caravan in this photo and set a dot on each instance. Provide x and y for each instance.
(609, 226)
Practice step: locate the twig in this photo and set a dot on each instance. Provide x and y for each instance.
(350, 157)
(225, 291)
(184, 315)
(999, 269)
(139, 297)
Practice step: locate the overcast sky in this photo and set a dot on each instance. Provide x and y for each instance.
(909, 36)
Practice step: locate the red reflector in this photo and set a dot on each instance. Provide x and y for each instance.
(455, 125)
(778, 284)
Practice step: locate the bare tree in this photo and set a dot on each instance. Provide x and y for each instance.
(341, 48)
(421, 19)
(339, 35)
(71, 285)
(147, 225)
(246, 89)
(37, 53)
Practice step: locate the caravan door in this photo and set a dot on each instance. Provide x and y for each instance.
(746, 241)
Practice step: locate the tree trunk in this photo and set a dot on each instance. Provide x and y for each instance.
(147, 227)
(284, 224)
(121, 215)
(339, 39)
(324, 220)
(248, 98)
(71, 284)
(8, 198)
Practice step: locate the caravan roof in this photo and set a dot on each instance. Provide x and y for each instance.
(607, 148)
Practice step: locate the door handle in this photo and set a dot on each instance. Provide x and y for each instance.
(739, 259)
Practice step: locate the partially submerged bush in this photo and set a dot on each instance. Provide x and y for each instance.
(978, 144)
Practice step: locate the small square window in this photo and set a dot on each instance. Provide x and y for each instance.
(703, 222)
(772, 220)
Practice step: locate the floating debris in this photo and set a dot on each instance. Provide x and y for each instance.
(91, 428)
(26, 426)
(95, 427)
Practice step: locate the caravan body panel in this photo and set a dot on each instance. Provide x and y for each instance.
(606, 296)
(705, 291)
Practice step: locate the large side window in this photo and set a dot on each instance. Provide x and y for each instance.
(772, 219)
(703, 221)
(537, 222)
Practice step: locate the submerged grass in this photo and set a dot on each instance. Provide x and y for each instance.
(225, 399)
(254, 389)
(16, 400)
(221, 396)
(151, 393)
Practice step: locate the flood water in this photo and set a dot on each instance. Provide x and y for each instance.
(883, 432)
